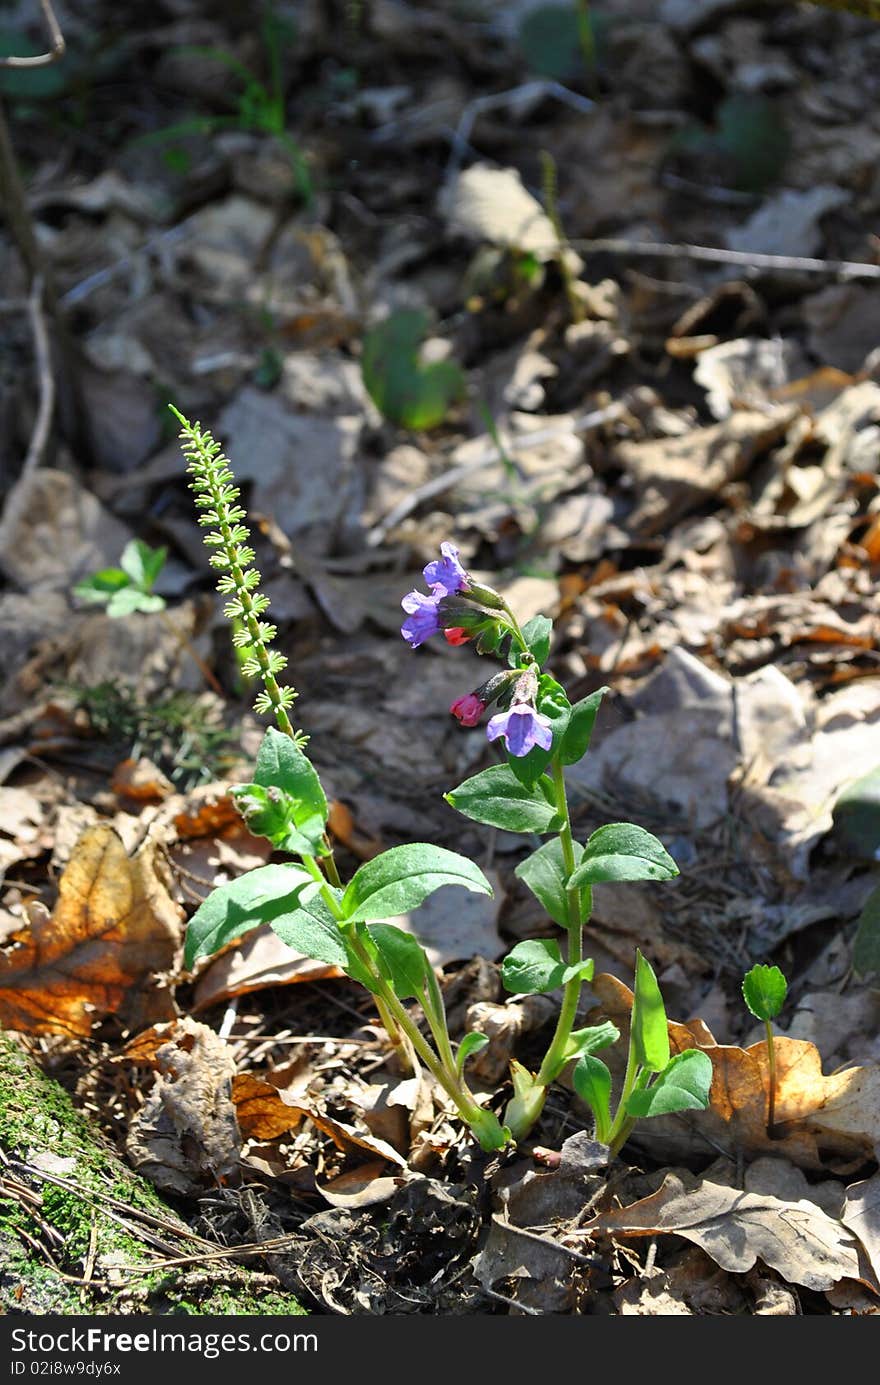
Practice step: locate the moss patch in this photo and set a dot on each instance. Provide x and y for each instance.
(74, 1217)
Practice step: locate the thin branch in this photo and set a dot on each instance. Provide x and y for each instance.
(710, 254)
(56, 41)
(46, 407)
(522, 443)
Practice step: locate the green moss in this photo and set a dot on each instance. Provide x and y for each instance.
(38, 1118)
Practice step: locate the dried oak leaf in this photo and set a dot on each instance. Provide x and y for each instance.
(736, 1228)
(820, 1121)
(186, 1136)
(113, 932)
(265, 1112)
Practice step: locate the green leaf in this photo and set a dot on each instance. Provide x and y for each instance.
(403, 388)
(582, 970)
(497, 798)
(591, 1040)
(544, 873)
(537, 634)
(592, 1082)
(282, 765)
(402, 958)
(622, 851)
(142, 563)
(856, 817)
(312, 930)
(552, 703)
(402, 878)
(764, 989)
(101, 585)
(682, 1086)
(230, 911)
(576, 741)
(130, 599)
(866, 946)
(533, 967)
(471, 1043)
(271, 813)
(650, 1033)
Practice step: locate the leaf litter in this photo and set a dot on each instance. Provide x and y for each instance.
(686, 479)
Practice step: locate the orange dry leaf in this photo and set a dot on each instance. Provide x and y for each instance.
(820, 1121)
(113, 931)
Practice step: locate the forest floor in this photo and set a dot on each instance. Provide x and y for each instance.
(663, 432)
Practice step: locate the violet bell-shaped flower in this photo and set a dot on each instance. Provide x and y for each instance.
(522, 728)
(447, 572)
(423, 617)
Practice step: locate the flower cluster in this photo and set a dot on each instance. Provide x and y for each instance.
(478, 610)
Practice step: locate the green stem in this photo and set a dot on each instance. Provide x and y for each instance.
(771, 1094)
(555, 1057)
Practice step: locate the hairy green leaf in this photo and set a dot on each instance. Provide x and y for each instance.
(650, 1033)
(622, 851)
(402, 959)
(533, 967)
(230, 911)
(592, 1082)
(471, 1043)
(497, 798)
(403, 877)
(312, 930)
(764, 990)
(544, 873)
(576, 741)
(682, 1086)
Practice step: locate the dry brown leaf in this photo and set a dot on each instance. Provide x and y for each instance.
(819, 1119)
(737, 1229)
(361, 1187)
(186, 1137)
(113, 931)
(261, 959)
(264, 1111)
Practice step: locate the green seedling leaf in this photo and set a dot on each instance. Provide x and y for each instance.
(471, 1043)
(576, 741)
(533, 967)
(403, 388)
(130, 599)
(282, 765)
(866, 947)
(142, 564)
(650, 1034)
(856, 817)
(98, 588)
(312, 930)
(582, 970)
(497, 798)
(552, 703)
(592, 1082)
(764, 989)
(682, 1086)
(591, 1040)
(622, 851)
(402, 878)
(544, 873)
(537, 634)
(402, 960)
(232, 910)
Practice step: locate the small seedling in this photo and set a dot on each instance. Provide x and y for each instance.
(128, 589)
(307, 904)
(563, 252)
(764, 990)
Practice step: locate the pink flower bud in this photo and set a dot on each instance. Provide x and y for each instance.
(456, 635)
(468, 709)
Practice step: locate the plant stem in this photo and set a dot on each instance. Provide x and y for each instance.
(554, 1059)
(771, 1093)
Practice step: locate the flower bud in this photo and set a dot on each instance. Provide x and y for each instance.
(468, 709)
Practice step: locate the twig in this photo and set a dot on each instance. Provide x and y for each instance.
(710, 254)
(56, 40)
(43, 358)
(529, 92)
(439, 484)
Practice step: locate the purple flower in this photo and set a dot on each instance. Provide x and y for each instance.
(522, 728)
(424, 617)
(447, 572)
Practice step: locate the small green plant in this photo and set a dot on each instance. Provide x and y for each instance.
(551, 206)
(748, 144)
(764, 990)
(128, 589)
(308, 905)
(260, 106)
(404, 388)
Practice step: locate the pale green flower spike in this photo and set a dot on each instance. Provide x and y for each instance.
(216, 494)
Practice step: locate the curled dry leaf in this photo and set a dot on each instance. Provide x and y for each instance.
(261, 959)
(112, 933)
(737, 1229)
(186, 1137)
(266, 1112)
(821, 1121)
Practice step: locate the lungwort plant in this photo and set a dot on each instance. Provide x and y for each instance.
(344, 923)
